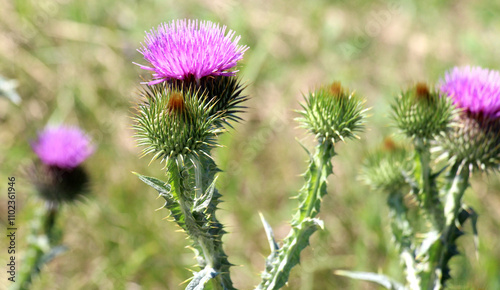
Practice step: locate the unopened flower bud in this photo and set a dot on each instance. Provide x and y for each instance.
(332, 113)
(172, 124)
(386, 169)
(422, 113)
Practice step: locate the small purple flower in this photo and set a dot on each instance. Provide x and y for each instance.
(190, 48)
(63, 147)
(474, 89)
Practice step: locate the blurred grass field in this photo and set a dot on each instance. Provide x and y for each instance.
(73, 61)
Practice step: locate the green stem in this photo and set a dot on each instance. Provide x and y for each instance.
(324, 171)
(402, 232)
(201, 225)
(40, 242)
(429, 195)
(458, 181)
(280, 262)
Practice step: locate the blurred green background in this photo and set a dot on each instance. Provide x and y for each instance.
(73, 62)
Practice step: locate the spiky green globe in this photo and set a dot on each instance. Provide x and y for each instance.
(175, 125)
(386, 169)
(474, 141)
(422, 113)
(332, 114)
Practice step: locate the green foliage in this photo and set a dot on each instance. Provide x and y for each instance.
(281, 261)
(171, 201)
(331, 115)
(425, 246)
(195, 214)
(456, 214)
(44, 245)
(380, 279)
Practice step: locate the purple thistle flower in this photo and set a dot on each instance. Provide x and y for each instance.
(190, 48)
(63, 147)
(474, 89)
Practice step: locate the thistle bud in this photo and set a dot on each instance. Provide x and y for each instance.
(386, 169)
(59, 176)
(476, 138)
(422, 113)
(173, 124)
(332, 113)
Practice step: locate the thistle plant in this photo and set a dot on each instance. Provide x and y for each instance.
(59, 178)
(192, 97)
(460, 120)
(331, 114)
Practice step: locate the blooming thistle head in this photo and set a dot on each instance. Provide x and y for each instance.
(332, 113)
(59, 176)
(187, 49)
(421, 113)
(190, 55)
(474, 89)
(476, 138)
(175, 125)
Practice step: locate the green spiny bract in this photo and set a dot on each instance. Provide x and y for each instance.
(224, 93)
(475, 141)
(332, 113)
(421, 113)
(175, 124)
(386, 169)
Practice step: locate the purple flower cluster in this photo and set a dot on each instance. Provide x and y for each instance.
(63, 147)
(190, 48)
(474, 89)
